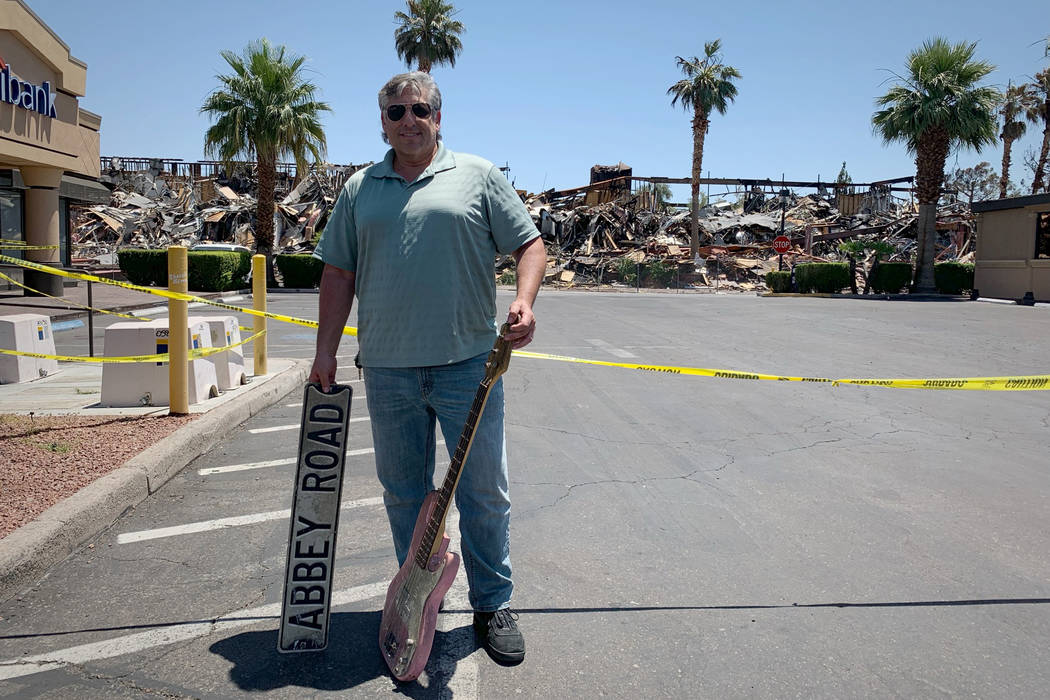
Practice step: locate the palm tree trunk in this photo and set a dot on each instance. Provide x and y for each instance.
(1004, 181)
(931, 153)
(700, 124)
(1037, 183)
(267, 169)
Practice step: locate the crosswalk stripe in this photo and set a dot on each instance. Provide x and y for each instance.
(221, 523)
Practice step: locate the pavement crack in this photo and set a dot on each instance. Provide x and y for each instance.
(127, 683)
(569, 488)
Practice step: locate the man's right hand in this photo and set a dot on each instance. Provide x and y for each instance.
(323, 371)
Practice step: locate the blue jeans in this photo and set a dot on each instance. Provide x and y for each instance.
(404, 405)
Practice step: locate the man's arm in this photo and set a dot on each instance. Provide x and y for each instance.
(531, 259)
(334, 303)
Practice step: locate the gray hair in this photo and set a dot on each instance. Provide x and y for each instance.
(418, 80)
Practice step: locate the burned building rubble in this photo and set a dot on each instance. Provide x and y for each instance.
(614, 231)
(156, 203)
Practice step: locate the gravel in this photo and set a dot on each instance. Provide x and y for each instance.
(44, 459)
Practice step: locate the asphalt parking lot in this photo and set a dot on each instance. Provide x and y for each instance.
(672, 536)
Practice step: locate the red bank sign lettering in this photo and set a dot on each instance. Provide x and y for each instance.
(36, 98)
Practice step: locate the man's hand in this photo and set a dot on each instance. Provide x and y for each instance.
(531, 259)
(522, 324)
(323, 371)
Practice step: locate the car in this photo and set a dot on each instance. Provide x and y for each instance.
(205, 247)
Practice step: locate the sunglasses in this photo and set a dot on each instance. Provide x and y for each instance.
(421, 110)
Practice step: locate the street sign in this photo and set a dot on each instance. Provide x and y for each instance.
(781, 244)
(306, 606)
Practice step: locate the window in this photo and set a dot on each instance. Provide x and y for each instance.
(1042, 235)
(11, 220)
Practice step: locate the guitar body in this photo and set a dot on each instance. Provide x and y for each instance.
(413, 598)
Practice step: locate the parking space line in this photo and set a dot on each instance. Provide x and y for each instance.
(602, 345)
(278, 462)
(456, 658)
(293, 426)
(247, 465)
(299, 404)
(222, 523)
(163, 636)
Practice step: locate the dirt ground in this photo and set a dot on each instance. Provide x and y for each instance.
(44, 459)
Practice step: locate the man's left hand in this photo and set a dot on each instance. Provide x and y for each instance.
(522, 324)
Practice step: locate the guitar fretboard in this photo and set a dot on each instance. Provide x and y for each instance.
(437, 519)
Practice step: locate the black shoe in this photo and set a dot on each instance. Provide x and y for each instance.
(499, 634)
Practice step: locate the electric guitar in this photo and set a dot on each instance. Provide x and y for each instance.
(406, 631)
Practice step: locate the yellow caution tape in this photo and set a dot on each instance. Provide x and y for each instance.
(192, 354)
(347, 330)
(1036, 382)
(19, 246)
(89, 308)
(70, 303)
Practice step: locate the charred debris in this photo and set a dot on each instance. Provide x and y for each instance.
(615, 231)
(158, 202)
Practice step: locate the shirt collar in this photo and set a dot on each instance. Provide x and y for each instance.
(443, 160)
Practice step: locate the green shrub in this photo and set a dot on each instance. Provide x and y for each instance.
(660, 273)
(508, 277)
(300, 271)
(779, 282)
(891, 277)
(825, 278)
(627, 269)
(144, 267)
(953, 277)
(218, 271)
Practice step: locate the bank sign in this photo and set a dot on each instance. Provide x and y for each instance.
(36, 98)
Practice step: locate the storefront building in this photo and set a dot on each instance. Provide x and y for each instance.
(49, 146)
(1013, 248)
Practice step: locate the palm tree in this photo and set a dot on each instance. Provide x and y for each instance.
(1018, 108)
(265, 110)
(1042, 91)
(707, 85)
(938, 107)
(428, 34)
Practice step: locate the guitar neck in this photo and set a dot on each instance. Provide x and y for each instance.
(436, 523)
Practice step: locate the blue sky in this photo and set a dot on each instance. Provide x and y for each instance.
(553, 88)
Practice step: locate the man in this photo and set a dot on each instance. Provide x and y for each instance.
(414, 237)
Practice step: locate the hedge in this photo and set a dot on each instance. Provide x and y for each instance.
(953, 277)
(891, 277)
(778, 282)
(144, 267)
(825, 278)
(300, 271)
(218, 270)
(209, 271)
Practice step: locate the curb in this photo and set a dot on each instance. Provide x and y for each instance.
(29, 552)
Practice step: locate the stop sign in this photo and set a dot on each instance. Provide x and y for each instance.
(781, 244)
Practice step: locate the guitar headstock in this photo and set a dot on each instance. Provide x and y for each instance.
(499, 357)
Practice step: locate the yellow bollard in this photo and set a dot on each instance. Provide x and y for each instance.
(259, 304)
(178, 341)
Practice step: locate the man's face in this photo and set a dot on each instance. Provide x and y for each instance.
(413, 139)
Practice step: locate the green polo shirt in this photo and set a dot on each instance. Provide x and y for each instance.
(424, 256)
